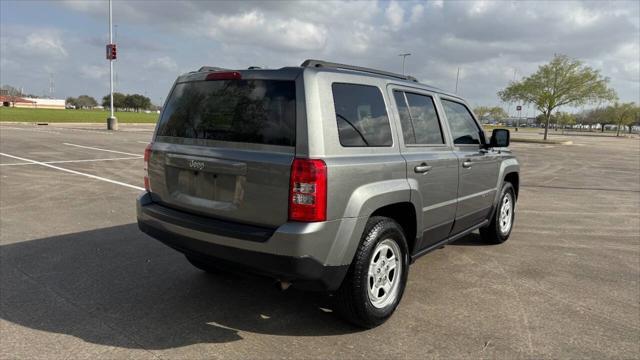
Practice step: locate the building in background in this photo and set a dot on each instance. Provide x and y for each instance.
(37, 103)
(15, 101)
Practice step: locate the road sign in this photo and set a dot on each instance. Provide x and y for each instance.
(518, 107)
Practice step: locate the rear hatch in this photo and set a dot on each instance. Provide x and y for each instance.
(224, 147)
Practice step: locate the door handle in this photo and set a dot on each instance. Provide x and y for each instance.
(422, 168)
(467, 164)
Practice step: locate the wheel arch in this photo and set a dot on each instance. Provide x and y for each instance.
(514, 179)
(390, 198)
(405, 214)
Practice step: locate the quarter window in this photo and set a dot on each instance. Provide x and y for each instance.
(463, 128)
(361, 116)
(418, 118)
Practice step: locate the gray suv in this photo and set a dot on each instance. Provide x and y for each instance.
(324, 176)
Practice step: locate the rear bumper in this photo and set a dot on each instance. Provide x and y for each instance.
(279, 253)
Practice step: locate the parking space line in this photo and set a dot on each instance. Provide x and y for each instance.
(73, 172)
(4, 127)
(73, 161)
(99, 149)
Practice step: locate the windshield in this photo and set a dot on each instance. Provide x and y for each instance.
(251, 111)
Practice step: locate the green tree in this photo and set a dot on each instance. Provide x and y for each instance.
(497, 113)
(493, 113)
(118, 101)
(636, 121)
(137, 102)
(86, 102)
(565, 119)
(622, 114)
(482, 112)
(72, 101)
(562, 82)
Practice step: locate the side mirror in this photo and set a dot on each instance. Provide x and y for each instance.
(500, 138)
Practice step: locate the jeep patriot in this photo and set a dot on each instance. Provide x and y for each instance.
(325, 176)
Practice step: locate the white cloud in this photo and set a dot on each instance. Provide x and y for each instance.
(416, 13)
(256, 29)
(45, 44)
(485, 39)
(437, 3)
(583, 17)
(480, 7)
(162, 63)
(395, 15)
(94, 72)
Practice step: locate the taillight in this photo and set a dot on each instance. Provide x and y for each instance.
(308, 190)
(224, 75)
(147, 156)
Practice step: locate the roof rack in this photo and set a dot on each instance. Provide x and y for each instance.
(211, 68)
(327, 64)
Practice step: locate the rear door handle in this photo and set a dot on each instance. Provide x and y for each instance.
(422, 168)
(467, 164)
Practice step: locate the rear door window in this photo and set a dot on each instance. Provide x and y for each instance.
(419, 119)
(249, 111)
(463, 128)
(361, 116)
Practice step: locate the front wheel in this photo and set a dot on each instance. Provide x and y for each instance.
(374, 285)
(501, 223)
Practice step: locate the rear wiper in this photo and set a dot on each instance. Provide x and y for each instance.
(354, 128)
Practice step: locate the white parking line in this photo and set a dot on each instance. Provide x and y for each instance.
(73, 161)
(99, 149)
(4, 127)
(74, 172)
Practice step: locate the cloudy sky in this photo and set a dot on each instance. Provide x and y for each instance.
(160, 39)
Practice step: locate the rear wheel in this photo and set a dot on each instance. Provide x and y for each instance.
(501, 223)
(374, 285)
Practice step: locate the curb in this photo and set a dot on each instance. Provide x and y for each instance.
(540, 141)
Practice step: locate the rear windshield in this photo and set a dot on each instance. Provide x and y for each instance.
(250, 111)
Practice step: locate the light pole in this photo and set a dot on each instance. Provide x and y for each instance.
(112, 121)
(457, 77)
(404, 56)
(519, 108)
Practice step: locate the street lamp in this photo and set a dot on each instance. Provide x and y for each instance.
(112, 121)
(404, 56)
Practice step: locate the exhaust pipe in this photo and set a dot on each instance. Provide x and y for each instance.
(283, 285)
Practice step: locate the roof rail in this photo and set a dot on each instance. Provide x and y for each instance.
(327, 64)
(211, 68)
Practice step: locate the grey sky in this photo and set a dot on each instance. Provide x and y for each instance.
(159, 40)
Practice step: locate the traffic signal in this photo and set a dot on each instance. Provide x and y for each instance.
(111, 52)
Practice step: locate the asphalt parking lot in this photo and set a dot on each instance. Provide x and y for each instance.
(79, 280)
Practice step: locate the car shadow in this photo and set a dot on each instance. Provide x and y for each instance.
(117, 287)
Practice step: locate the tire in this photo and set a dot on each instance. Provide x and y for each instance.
(204, 265)
(501, 222)
(356, 301)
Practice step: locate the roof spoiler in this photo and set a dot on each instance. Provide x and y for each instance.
(211, 68)
(332, 65)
